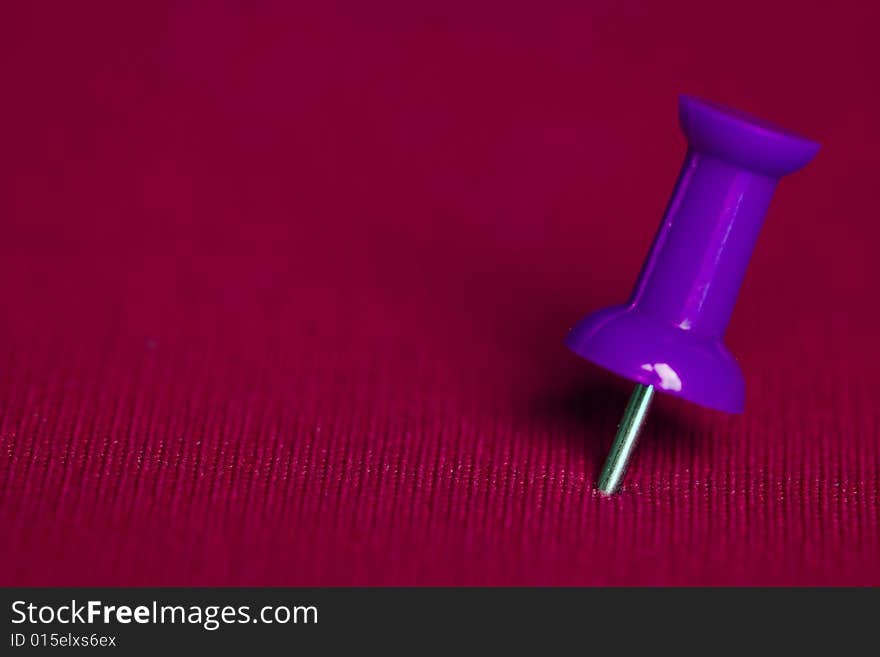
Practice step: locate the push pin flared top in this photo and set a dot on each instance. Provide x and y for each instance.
(669, 336)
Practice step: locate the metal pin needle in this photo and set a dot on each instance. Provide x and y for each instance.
(626, 439)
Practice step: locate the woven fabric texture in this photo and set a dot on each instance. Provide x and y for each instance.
(285, 287)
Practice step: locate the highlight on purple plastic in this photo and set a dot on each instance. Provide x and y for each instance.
(669, 334)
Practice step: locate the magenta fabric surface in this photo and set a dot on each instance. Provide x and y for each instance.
(285, 288)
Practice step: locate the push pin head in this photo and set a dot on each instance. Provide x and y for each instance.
(669, 335)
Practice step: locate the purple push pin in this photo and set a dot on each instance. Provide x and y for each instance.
(669, 335)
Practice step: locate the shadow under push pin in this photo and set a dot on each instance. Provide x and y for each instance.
(668, 337)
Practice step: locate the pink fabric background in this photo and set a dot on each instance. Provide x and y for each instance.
(284, 289)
